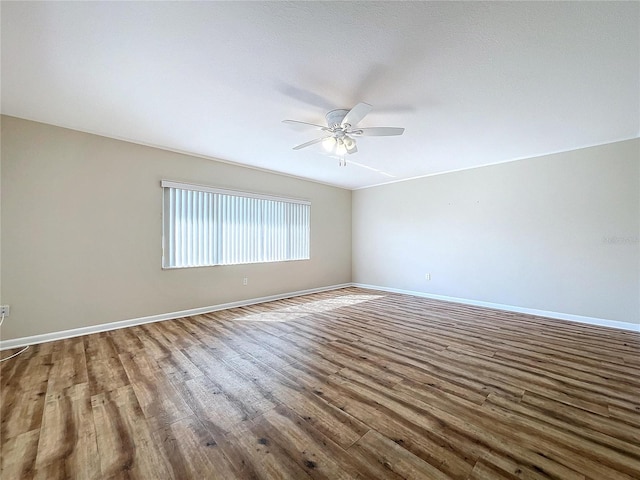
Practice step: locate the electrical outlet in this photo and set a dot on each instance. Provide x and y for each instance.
(4, 310)
(427, 276)
(245, 281)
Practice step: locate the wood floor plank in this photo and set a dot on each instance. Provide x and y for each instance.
(250, 399)
(98, 346)
(18, 457)
(473, 379)
(596, 386)
(175, 364)
(266, 459)
(27, 372)
(177, 333)
(608, 457)
(105, 374)
(67, 445)
(192, 451)
(125, 441)
(215, 345)
(583, 422)
(125, 340)
(630, 416)
(316, 454)
(265, 377)
(487, 431)
(349, 383)
(23, 385)
(386, 459)
(21, 413)
(607, 462)
(250, 343)
(439, 443)
(67, 347)
(154, 342)
(156, 394)
(67, 371)
(503, 469)
(217, 409)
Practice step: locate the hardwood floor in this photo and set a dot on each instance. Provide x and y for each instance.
(345, 384)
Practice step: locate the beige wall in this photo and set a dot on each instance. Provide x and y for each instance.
(81, 232)
(557, 233)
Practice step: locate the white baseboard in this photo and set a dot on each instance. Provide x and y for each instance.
(104, 327)
(634, 327)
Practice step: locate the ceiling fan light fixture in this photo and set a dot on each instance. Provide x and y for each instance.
(349, 143)
(341, 131)
(329, 144)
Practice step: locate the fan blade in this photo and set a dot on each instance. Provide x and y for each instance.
(356, 114)
(377, 132)
(296, 123)
(317, 140)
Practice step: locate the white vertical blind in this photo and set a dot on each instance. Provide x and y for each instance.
(209, 226)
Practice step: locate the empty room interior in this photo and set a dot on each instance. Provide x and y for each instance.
(326, 240)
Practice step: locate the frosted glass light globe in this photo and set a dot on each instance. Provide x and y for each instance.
(329, 143)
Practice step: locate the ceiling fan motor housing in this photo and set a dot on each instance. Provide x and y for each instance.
(335, 117)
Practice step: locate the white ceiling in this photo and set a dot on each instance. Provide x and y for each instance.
(473, 83)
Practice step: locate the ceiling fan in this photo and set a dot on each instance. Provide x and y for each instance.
(341, 130)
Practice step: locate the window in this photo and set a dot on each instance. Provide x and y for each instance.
(211, 226)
